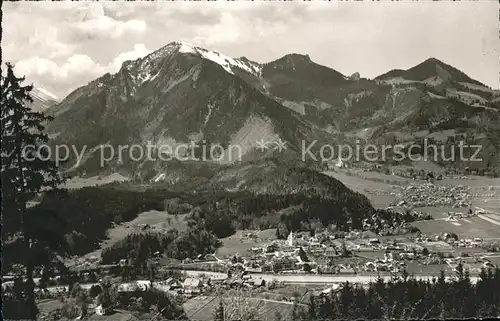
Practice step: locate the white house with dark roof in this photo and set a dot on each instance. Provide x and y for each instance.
(192, 283)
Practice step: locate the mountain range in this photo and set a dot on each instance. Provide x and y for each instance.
(183, 93)
(43, 99)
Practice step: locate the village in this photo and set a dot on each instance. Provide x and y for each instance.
(431, 227)
(436, 227)
(356, 253)
(267, 267)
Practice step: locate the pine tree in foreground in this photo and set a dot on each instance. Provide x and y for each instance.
(219, 312)
(26, 171)
(410, 299)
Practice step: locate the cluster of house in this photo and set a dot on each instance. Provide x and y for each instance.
(193, 286)
(452, 239)
(374, 244)
(243, 280)
(190, 286)
(468, 243)
(338, 163)
(388, 263)
(275, 257)
(423, 195)
(290, 256)
(453, 216)
(82, 263)
(467, 263)
(285, 256)
(271, 259)
(297, 254)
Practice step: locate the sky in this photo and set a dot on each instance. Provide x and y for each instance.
(61, 46)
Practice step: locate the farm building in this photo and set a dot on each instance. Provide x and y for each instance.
(192, 283)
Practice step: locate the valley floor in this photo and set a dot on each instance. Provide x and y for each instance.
(382, 190)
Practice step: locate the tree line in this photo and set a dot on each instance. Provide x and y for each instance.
(139, 247)
(408, 298)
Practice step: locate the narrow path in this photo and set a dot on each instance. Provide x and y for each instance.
(489, 219)
(276, 301)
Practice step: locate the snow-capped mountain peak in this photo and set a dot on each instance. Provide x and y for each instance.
(43, 99)
(229, 64)
(184, 47)
(44, 95)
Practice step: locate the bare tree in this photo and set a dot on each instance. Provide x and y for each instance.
(240, 306)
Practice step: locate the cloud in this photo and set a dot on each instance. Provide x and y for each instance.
(76, 70)
(349, 37)
(29, 33)
(92, 22)
(62, 77)
(232, 27)
(139, 51)
(73, 67)
(227, 30)
(107, 27)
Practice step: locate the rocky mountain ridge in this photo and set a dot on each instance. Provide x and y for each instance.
(43, 99)
(183, 93)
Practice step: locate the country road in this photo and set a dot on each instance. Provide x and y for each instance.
(489, 219)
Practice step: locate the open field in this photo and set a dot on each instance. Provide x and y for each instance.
(431, 269)
(380, 201)
(488, 203)
(465, 228)
(435, 269)
(495, 259)
(118, 315)
(366, 181)
(237, 243)
(440, 135)
(379, 193)
(49, 305)
(484, 193)
(79, 182)
(472, 181)
(301, 291)
(381, 177)
(439, 212)
(159, 219)
(203, 307)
